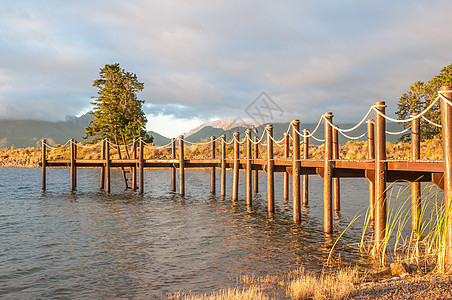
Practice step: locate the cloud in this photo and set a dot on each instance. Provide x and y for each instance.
(202, 60)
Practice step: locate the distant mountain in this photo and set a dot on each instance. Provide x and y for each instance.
(219, 124)
(159, 139)
(205, 131)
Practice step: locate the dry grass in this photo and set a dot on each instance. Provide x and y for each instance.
(251, 293)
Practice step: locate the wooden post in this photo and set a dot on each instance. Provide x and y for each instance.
(43, 163)
(336, 180)
(256, 172)
(223, 165)
(141, 167)
(107, 167)
(296, 169)
(72, 165)
(446, 122)
(380, 176)
(371, 155)
(305, 191)
(235, 178)
(134, 168)
(212, 171)
(249, 180)
(286, 174)
(270, 171)
(173, 169)
(102, 168)
(75, 163)
(327, 177)
(415, 186)
(181, 166)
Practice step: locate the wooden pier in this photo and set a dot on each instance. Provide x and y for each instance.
(377, 168)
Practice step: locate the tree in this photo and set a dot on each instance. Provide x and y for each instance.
(418, 98)
(117, 112)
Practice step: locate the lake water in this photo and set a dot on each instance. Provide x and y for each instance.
(87, 244)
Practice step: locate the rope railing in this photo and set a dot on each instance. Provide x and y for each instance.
(399, 132)
(431, 122)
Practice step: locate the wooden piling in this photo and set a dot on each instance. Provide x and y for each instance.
(305, 189)
(107, 167)
(270, 170)
(181, 166)
(256, 172)
(336, 180)
(415, 186)
(446, 122)
(286, 174)
(141, 167)
(43, 164)
(223, 166)
(212, 170)
(380, 176)
(249, 181)
(328, 176)
(73, 167)
(102, 168)
(134, 168)
(296, 170)
(235, 175)
(371, 155)
(173, 168)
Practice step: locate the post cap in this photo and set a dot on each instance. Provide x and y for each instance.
(236, 133)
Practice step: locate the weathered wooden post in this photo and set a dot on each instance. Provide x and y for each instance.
(380, 175)
(223, 165)
(446, 122)
(212, 170)
(371, 155)
(296, 169)
(141, 167)
(75, 163)
(181, 166)
(235, 175)
(249, 181)
(102, 168)
(173, 169)
(107, 167)
(43, 164)
(270, 170)
(256, 172)
(305, 191)
(73, 167)
(134, 168)
(286, 174)
(336, 180)
(328, 175)
(415, 186)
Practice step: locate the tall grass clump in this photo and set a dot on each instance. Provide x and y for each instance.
(425, 245)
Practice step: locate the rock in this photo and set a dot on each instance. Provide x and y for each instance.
(402, 268)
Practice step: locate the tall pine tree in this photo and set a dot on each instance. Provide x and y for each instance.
(117, 111)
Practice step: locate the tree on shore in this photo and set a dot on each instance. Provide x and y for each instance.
(418, 98)
(117, 111)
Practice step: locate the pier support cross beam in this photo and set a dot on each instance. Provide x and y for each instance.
(296, 166)
(328, 176)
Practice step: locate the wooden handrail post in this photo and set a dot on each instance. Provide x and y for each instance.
(270, 170)
(212, 170)
(72, 165)
(235, 175)
(415, 186)
(223, 166)
(249, 179)
(446, 122)
(256, 172)
(305, 191)
(134, 168)
(102, 168)
(336, 180)
(43, 164)
(286, 174)
(181, 166)
(107, 167)
(380, 176)
(173, 169)
(141, 167)
(75, 163)
(296, 169)
(371, 155)
(328, 175)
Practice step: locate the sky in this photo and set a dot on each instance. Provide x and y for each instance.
(204, 60)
